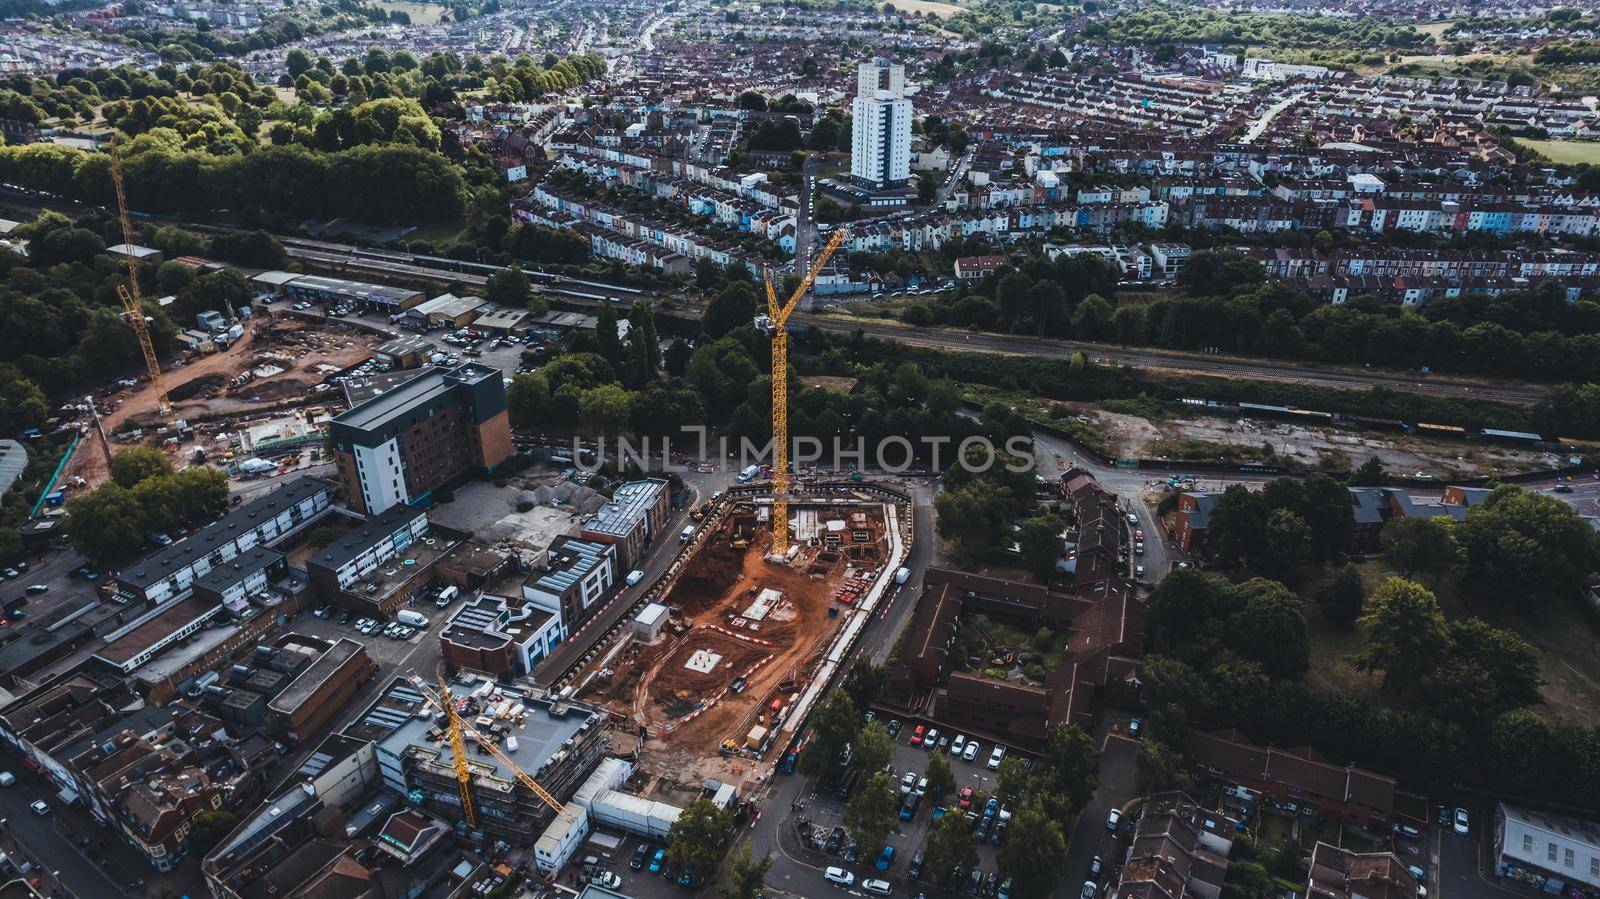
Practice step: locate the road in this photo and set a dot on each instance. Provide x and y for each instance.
(38, 835)
(1261, 124)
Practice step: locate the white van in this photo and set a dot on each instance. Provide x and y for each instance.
(839, 876)
(635, 576)
(413, 619)
(902, 575)
(7, 778)
(688, 531)
(447, 595)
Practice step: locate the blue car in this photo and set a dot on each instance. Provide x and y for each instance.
(657, 861)
(885, 859)
(687, 878)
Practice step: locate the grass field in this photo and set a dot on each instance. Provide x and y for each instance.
(1566, 152)
(420, 13)
(927, 7)
(1565, 642)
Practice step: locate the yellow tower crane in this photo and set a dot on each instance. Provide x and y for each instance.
(128, 294)
(777, 322)
(458, 729)
(458, 746)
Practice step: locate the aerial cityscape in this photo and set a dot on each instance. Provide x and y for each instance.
(518, 449)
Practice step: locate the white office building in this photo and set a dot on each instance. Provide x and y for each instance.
(880, 137)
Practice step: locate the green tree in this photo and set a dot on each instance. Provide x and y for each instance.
(208, 829)
(972, 517)
(748, 877)
(1341, 599)
(1271, 629)
(1285, 546)
(1488, 671)
(606, 336)
(1068, 771)
(1013, 782)
(873, 747)
(1370, 474)
(1327, 513)
(605, 411)
(1420, 546)
(871, 813)
(699, 837)
(834, 725)
(1404, 633)
(1041, 542)
(1037, 858)
(1526, 548)
(733, 307)
(528, 401)
(22, 403)
(865, 683)
(1160, 768)
(139, 463)
(950, 847)
(941, 779)
(106, 525)
(1237, 527)
(509, 287)
(1248, 880)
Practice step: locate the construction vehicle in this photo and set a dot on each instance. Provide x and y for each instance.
(128, 295)
(776, 323)
(458, 731)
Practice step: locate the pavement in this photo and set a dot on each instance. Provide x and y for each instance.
(68, 865)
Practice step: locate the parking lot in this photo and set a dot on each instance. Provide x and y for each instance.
(825, 811)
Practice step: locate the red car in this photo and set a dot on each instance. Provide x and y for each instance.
(966, 797)
(1138, 534)
(916, 735)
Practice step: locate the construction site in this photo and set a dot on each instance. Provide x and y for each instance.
(743, 636)
(263, 397)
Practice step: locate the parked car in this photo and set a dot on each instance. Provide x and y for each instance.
(914, 870)
(1407, 831)
(995, 757)
(1094, 868)
(885, 858)
(1460, 822)
(1135, 727)
(930, 740)
(957, 744)
(916, 735)
(40, 807)
(657, 861)
(971, 751)
(880, 887)
(1113, 819)
(1089, 890)
(640, 856)
(966, 798)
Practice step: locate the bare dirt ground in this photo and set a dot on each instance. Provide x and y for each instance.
(651, 685)
(1134, 436)
(199, 385)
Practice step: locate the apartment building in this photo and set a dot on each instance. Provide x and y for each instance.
(880, 135)
(573, 579)
(1556, 854)
(171, 572)
(636, 514)
(400, 446)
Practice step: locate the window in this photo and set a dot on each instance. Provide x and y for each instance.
(1550, 852)
(1527, 842)
(1594, 866)
(1568, 858)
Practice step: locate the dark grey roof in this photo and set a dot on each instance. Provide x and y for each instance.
(157, 566)
(368, 534)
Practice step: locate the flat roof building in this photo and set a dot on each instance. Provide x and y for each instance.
(367, 297)
(170, 572)
(575, 577)
(402, 445)
(637, 512)
(556, 742)
(322, 689)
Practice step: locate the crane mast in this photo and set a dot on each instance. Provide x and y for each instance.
(459, 730)
(779, 323)
(128, 295)
(458, 745)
